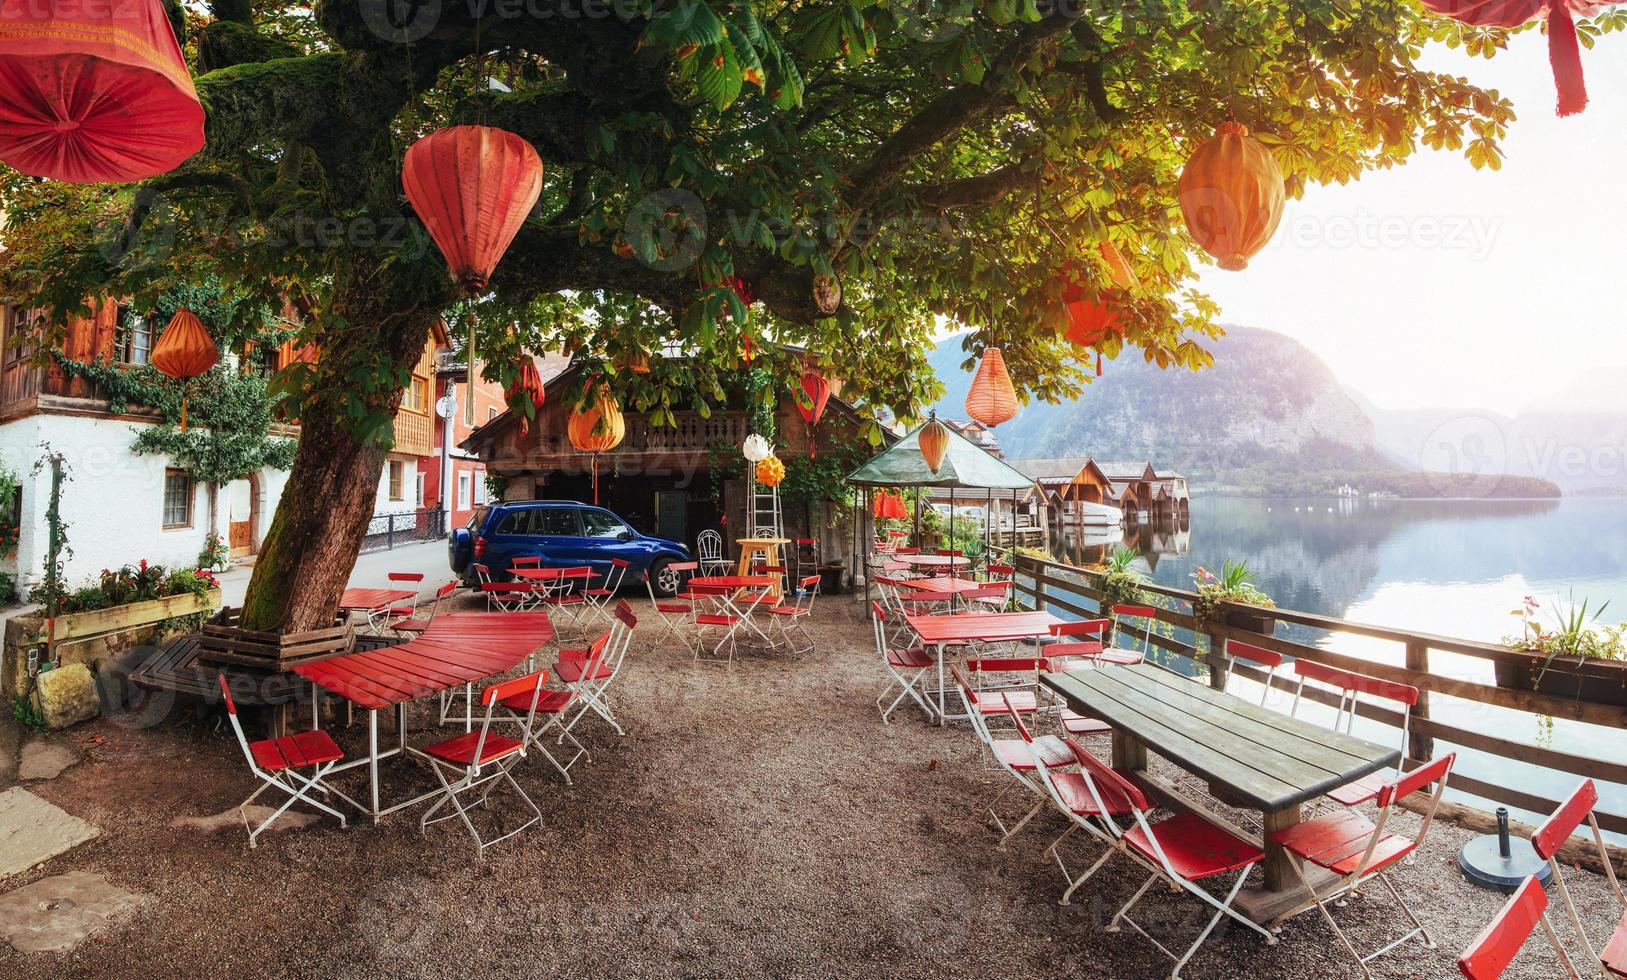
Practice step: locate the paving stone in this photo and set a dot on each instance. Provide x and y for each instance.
(33, 831)
(229, 819)
(53, 915)
(44, 758)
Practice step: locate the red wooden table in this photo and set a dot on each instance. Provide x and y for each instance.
(372, 600)
(934, 561)
(726, 588)
(456, 650)
(936, 631)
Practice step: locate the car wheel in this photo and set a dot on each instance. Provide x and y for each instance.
(664, 577)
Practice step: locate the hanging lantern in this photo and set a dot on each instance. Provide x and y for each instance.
(184, 351)
(1118, 269)
(1231, 194)
(94, 92)
(472, 187)
(817, 390)
(1564, 55)
(635, 361)
(770, 471)
(934, 443)
(992, 399)
(756, 449)
(1088, 323)
(524, 396)
(596, 429)
(888, 505)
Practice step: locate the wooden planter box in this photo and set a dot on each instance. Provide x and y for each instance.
(135, 615)
(1252, 621)
(224, 642)
(1571, 678)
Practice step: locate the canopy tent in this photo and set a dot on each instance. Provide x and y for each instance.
(966, 466)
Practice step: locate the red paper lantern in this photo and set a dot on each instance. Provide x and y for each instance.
(817, 389)
(888, 506)
(992, 399)
(94, 91)
(472, 187)
(1087, 322)
(1564, 55)
(1231, 194)
(184, 351)
(525, 395)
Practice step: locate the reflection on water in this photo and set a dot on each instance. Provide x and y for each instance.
(1451, 567)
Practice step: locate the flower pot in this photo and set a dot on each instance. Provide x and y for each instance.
(1251, 621)
(1576, 679)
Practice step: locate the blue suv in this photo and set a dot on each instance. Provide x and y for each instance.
(564, 534)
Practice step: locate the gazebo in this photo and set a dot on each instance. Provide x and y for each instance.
(966, 466)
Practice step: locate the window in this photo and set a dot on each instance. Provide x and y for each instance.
(416, 398)
(419, 499)
(491, 413)
(601, 524)
(177, 499)
(17, 325)
(133, 341)
(395, 479)
(515, 522)
(480, 486)
(463, 491)
(557, 521)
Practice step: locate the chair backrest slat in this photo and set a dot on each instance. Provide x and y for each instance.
(1106, 779)
(1082, 627)
(1425, 775)
(624, 612)
(1491, 952)
(1559, 827)
(1238, 650)
(507, 689)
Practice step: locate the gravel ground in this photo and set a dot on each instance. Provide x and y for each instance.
(759, 821)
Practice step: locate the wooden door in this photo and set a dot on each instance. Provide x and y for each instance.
(240, 518)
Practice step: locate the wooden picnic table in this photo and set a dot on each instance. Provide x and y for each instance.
(941, 630)
(1252, 757)
(456, 650)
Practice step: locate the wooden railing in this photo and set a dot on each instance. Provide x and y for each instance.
(691, 434)
(1075, 590)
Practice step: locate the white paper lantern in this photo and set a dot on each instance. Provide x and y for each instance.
(757, 449)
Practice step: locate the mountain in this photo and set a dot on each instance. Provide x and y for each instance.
(1269, 417)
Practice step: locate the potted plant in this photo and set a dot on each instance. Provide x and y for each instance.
(1121, 582)
(1233, 586)
(1571, 657)
(213, 556)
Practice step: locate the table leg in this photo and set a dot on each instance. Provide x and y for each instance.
(1129, 753)
(401, 725)
(1279, 864)
(373, 760)
(943, 716)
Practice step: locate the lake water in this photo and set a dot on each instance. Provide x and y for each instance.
(1451, 567)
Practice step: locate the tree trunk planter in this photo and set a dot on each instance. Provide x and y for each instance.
(225, 642)
(1570, 678)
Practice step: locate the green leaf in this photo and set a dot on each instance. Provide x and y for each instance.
(690, 24)
(718, 74)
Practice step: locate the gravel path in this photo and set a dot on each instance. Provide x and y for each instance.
(757, 822)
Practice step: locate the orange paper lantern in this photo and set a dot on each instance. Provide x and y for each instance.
(934, 443)
(1087, 322)
(184, 351)
(596, 429)
(1231, 195)
(635, 361)
(992, 399)
(525, 395)
(770, 471)
(472, 187)
(817, 390)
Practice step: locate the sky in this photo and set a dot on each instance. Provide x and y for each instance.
(1434, 284)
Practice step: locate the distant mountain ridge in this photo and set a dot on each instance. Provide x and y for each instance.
(1269, 417)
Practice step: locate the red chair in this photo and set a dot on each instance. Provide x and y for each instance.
(1495, 948)
(276, 763)
(906, 666)
(1183, 852)
(1017, 678)
(1349, 685)
(1236, 650)
(1086, 799)
(553, 706)
(377, 618)
(417, 624)
(480, 761)
(728, 622)
(992, 596)
(592, 687)
(675, 613)
(1358, 851)
(787, 621)
(1019, 757)
(1548, 839)
(600, 598)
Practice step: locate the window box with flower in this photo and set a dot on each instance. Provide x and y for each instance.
(1570, 656)
(1219, 597)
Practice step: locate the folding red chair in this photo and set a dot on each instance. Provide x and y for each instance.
(1359, 851)
(906, 666)
(1236, 650)
(561, 595)
(787, 621)
(417, 624)
(1349, 685)
(992, 596)
(1495, 948)
(1017, 678)
(1017, 757)
(1548, 839)
(378, 618)
(705, 622)
(482, 760)
(553, 706)
(592, 687)
(1087, 801)
(599, 598)
(1182, 851)
(276, 763)
(675, 613)
(501, 596)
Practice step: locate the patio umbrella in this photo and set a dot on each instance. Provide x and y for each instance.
(94, 92)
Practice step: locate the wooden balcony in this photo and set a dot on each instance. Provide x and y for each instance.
(414, 433)
(686, 442)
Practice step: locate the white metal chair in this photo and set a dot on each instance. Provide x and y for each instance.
(276, 763)
(1236, 650)
(592, 687)
(1359, 850)
(481, 760)
(709, 549)
(1018, 757)
(906, 666)
(1349, 685)
(1554, 832)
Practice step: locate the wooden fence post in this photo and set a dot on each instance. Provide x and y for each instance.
(1217, 662)
(1421, 746)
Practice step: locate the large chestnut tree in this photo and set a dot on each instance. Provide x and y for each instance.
(869, 168)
